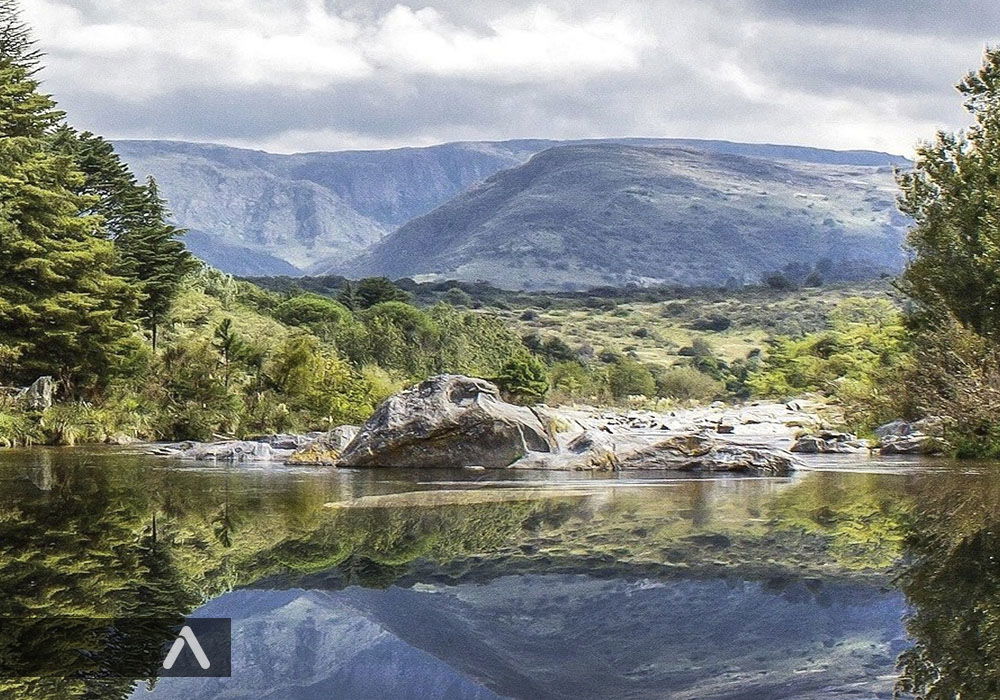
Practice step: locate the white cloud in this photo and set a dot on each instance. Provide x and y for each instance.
(157, 47)
(532, 45)
(315, 74)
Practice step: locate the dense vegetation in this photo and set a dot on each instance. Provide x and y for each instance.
(98, 291)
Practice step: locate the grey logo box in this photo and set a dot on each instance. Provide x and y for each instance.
(121, 647)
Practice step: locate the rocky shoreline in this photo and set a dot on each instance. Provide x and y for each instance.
(451, 421)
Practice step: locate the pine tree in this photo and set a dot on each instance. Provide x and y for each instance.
(15, 38)
(62, 308)
(348, 296)
(153, 254)
(135, 217)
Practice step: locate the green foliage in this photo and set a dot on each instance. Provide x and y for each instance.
(866, 344)
(194, 398)
(150, 252)
(523, 379)
(952, 277)
(630, 378)
(18, 429)
(951, 194)
(376, 290)
(319, 314)
(572, 380)
(687, 383)
(63, 308)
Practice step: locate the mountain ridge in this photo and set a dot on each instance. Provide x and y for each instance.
(321, 211)
(605, 214)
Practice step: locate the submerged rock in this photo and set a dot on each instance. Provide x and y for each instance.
(229, 451)
(447, 421)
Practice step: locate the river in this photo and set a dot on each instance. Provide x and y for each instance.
(845, 581)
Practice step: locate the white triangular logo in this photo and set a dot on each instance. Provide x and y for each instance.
(186, 635)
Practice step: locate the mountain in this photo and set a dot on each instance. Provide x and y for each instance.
(306, 207)
(582, 215)
(557, 636)
(262, 213)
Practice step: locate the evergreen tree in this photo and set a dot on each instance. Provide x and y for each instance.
(378, 290)
(135, 218)
(953, 196)
(348, 296)
(61, 305)
(15, 38)
(153, 254)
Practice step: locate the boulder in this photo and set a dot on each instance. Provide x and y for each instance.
(896, 427)
(38, 396)
(911, 444)
(700, 452)
(829, 442)
(447, 421)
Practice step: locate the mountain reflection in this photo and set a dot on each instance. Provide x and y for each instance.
(372, 585)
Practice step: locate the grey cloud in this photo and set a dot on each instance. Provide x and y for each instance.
(936, 17)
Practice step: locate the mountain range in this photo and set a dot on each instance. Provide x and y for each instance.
(532, 213)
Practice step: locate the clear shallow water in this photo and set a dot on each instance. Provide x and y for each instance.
(428, 584)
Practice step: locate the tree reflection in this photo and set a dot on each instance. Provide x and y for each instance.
(951, 579)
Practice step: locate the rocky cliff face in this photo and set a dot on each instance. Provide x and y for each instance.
(304, 208)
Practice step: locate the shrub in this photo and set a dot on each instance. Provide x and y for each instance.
(523, 379)
(687, 383)
(715, 323)
(313, 311)
(630, 378)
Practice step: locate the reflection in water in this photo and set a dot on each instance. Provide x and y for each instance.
(370, 584)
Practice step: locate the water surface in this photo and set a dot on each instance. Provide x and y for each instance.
(843, 582)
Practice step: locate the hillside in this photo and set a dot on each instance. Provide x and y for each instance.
(610, 213)
(264, 213)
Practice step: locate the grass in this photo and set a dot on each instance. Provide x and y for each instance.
(656, 332)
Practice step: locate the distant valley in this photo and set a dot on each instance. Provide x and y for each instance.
(533, 213)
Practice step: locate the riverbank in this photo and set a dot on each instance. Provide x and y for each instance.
(461, 422)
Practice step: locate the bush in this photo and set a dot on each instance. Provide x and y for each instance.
(865, 345)
(699, 347)
(630, 378)
(313, 311)
(715, 323)
(687, 383)
(956, 375)
(523, 380)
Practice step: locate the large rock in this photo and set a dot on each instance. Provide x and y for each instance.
(912, 444)
(447, 421)
(39, 395)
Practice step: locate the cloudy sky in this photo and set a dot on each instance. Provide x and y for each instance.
(291, 75)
